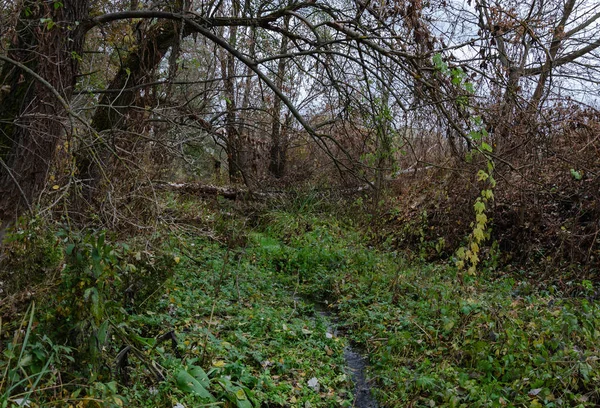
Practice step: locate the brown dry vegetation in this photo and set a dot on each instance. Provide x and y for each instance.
(546, 212)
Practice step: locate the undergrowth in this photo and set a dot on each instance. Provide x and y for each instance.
(493, 340)
(227, 319)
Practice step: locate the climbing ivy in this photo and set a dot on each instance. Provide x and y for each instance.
(468, 256)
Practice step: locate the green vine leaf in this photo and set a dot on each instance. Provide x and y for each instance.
(479, 206)
(475, 135)
(487, 194)
(482, 175)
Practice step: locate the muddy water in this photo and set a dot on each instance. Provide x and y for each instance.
(356, 363)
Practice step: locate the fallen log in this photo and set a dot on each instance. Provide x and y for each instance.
(233, 193)
(209, 190)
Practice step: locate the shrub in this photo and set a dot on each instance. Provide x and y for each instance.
(31, 253)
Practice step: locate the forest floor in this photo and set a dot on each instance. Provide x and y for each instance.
(277, 312)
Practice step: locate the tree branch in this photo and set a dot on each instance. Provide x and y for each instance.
(571, 57)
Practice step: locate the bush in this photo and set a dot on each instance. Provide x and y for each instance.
(31, 254)
(101, 284)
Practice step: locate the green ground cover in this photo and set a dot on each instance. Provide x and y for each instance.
(436, 338)
(235, 325)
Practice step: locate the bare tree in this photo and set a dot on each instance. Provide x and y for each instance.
(346, 53)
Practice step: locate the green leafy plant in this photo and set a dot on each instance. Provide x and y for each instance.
(576, 175)
(100, 283)
(48, 22)
(27, 360)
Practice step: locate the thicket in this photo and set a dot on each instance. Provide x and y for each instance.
(473, 154)
(66, 300)
(545, 211)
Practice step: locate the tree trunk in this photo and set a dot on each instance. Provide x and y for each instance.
(555, 45)
(112, 112)
(233, 143)
(278, 153)
(32, 121)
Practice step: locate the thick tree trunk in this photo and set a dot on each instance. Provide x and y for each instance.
(32, 120)
(113, 111)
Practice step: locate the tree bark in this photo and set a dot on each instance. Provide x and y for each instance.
(32, 121)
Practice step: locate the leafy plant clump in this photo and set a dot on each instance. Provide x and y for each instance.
(85, 319)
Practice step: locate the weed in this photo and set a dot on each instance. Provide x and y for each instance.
(28, 363)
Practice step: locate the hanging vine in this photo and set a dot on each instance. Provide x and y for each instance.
(468, 256)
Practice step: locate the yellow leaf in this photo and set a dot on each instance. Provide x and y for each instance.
(55, 187)
(219, 363)
(479, 206)
(478, 234)
(481, 219)
(177, 259)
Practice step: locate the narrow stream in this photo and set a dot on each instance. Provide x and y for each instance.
(356, 363)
